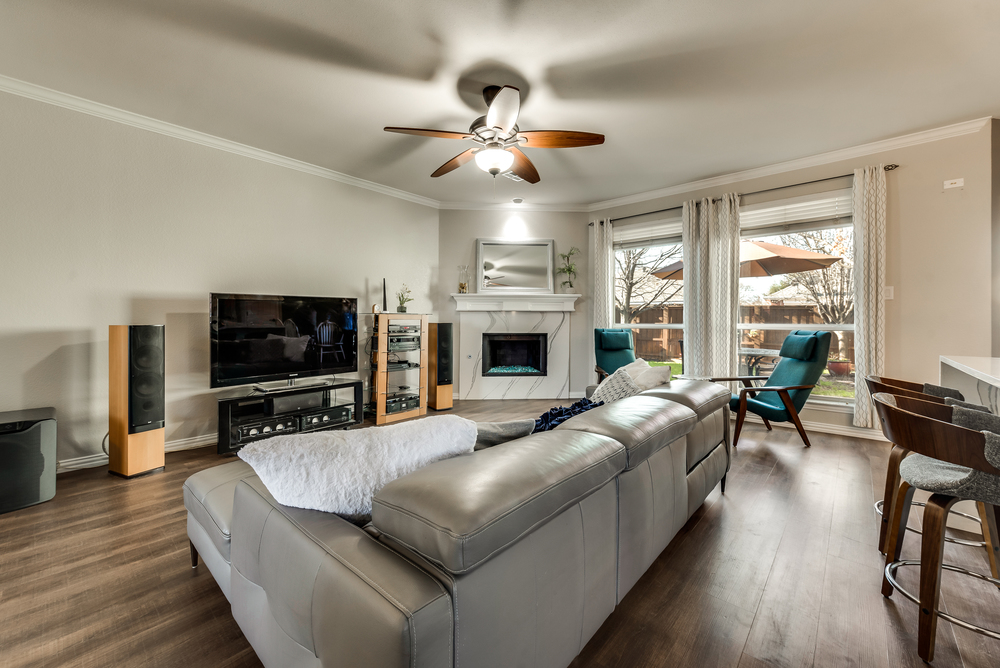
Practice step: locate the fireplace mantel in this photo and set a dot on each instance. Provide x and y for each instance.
(515, 301)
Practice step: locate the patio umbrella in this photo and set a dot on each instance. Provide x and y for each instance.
(759, 258)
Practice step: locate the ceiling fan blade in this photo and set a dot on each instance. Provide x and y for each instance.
(523, 167)
(504, 109)
(420, 132)
(456, 162)
(560, 138)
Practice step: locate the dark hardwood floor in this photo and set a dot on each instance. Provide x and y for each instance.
(781, 571)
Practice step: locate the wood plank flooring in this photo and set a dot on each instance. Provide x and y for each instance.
(781, 571)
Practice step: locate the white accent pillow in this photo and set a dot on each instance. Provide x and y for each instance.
(655, 375)
(616, 386)
(340, 471)
(637, 367)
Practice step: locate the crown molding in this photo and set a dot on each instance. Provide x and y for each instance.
(510, 206)
(936, 134)
(67, 101)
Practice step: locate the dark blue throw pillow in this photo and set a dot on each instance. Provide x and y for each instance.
(559, 414)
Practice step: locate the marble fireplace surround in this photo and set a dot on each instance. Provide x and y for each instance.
(515, 313)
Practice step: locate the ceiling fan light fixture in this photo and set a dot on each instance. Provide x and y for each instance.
(494, 160)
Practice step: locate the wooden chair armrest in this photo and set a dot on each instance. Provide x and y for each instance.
(783, 388)
(601, 373)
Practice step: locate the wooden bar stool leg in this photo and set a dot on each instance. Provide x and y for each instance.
(931, 553)
(897, 530)
(889, 497)
(988, 516)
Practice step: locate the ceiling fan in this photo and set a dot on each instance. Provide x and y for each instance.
(500, 139)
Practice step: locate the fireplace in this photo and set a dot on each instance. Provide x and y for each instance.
(515, 354)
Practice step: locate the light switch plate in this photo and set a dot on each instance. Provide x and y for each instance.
(888, 292)
(954, 183)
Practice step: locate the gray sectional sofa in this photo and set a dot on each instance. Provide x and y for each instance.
(509, 556)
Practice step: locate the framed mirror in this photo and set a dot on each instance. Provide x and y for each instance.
(515, 266)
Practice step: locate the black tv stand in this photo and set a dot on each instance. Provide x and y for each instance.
(287, 410)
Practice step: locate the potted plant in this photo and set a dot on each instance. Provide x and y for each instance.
(403, 295)
(569, 267)
(839, 367)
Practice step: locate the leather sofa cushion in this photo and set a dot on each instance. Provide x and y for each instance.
(458, 512)
(208, 496)
(703, 397)
(643, 424)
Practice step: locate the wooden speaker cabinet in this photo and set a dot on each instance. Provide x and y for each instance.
(136, 402)
(440, 376)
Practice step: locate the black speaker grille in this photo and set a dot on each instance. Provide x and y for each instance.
(146, 377)
(444, 354)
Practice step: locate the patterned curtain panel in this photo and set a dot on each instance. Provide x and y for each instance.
(869, 279)
(603, 257)
(711, 234)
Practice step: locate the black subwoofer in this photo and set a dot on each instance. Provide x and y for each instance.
(146, 378)
(27, 458)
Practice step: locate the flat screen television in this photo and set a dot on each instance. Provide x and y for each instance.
(261, 338)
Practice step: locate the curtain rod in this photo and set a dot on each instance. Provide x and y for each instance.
(887, 168)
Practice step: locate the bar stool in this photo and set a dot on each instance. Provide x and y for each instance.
(953, 463)
(933, 406)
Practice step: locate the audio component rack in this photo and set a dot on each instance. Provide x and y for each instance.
(399, 366)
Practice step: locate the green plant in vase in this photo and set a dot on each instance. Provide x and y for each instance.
(568, 267)
(403, 295)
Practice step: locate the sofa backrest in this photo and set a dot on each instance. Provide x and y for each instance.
(458, 512)
(643, 424)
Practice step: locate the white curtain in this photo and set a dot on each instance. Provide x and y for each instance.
(603, 274)
(711, 234)
(869, 279)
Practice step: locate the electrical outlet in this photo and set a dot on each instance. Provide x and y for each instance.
(887, 292)
(954, 183)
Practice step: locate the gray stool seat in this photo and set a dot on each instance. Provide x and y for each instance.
(938, 477)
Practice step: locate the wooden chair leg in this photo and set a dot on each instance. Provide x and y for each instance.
(724, 484)
(766, 424)
(988, 516)
(792, 413)
(931, 553)
(897, 530)
(889, 496)
(194, 555)
(740, 417)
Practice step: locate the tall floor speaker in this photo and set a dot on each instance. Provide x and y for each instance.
(440, 375)
(136, 404)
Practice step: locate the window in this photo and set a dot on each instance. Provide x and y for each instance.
(647, 298)
(772, 306)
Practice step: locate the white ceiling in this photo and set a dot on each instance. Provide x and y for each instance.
(683, 89)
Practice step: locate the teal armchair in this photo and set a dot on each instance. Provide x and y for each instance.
(803, 357)
(613, 348)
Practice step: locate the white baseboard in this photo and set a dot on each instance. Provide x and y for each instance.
(101, 459)
(824, 428)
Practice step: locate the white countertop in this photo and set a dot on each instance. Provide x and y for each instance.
(986, 369)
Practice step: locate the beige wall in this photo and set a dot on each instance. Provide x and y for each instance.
(458, 233)
(105, 224)
(939, 248)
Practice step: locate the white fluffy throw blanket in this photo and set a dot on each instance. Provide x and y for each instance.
(340, 471)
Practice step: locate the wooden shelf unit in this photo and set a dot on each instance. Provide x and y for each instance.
(380, 373)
